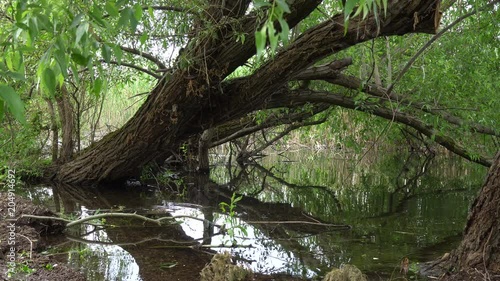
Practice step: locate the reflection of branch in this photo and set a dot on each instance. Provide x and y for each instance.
(339, 226)
(291, 185)
(82, 240)
(421, 171)
(113, 215)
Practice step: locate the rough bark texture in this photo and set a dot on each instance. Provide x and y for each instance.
(480, 247)
(195, 99)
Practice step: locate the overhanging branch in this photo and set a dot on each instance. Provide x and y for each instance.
(304, 96)
(351, 82)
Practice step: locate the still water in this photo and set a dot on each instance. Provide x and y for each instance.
(301, 214)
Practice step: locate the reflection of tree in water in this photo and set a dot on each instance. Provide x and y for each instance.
(279, 223)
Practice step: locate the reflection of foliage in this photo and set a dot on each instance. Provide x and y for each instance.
(390, 202)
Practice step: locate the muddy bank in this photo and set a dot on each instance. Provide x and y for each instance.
(22, 242)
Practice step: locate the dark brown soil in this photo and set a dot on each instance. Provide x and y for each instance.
(29, 242)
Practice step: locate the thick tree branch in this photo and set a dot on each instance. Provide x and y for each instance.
(326, 39)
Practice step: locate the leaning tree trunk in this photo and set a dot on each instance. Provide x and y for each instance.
(196, 98)
(480, 246)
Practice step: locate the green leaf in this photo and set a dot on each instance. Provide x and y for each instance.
(15, 75)
(14, 102)
(285, 30)
(60, 57)
(76, 20)
(144, 37)
(273, 38)
(283, 6)
(150, 11)
(80, 59)
(133, 21)
(260, 40)
(49, 80)
(96, 89)
(45, 23)
(138, 12)
(106, 52)
(80, 31)
(97, 17)
(349, 6)
(74, 70)
(33, 28)
(22, 26)
(118, 53)
(111, 9)
(124, 18)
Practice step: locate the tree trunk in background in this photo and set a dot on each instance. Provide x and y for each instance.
(196, 98)
(68, 126)
(480, 246)
(203, 146)
(54, 129)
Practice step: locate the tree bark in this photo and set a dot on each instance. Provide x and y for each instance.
(195, 98)
(480, 246)
(54, 129)
(68, 126)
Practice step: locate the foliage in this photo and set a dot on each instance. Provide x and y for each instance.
(20, 268)
(96, 50)
(231, 221)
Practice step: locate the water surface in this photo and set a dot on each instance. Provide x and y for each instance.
(396, 206)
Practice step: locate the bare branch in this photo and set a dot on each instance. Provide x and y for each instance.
(247, 125)
(134, 67)
(144, 55)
